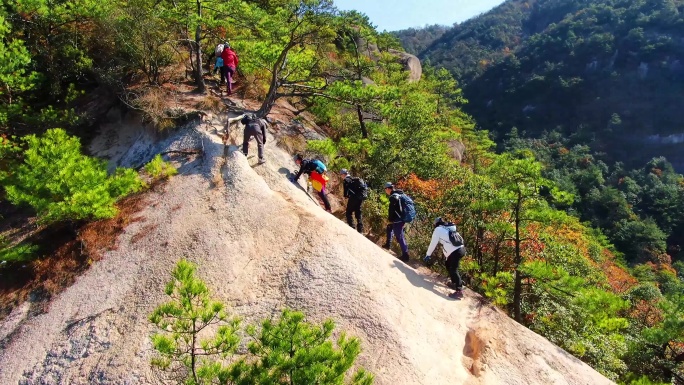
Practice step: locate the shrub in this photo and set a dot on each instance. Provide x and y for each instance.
(15, 254)
(197, 340)
(158, 169)
(61, 183)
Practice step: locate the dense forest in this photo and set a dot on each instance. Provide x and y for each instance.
(607, 72)
(575, 247)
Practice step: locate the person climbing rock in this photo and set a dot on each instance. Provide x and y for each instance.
(316, 171)
(396, 216)
(446, 234)
(356, 191)
(254, 127)
(230, 63)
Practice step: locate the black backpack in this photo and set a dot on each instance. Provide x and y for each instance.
(454, 237)
(358, 188)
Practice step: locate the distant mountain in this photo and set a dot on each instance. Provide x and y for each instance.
(605, 72)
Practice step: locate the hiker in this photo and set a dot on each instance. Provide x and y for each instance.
(453, 248)
(316, 171)
(218, 64)
(254, 127)
(396, 216)
(230, 63)
(356, 191)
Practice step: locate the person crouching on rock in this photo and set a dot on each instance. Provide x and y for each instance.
(316, 171)
(446, 234)
(254, 127)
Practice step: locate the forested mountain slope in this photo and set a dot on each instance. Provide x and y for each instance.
(608, 72)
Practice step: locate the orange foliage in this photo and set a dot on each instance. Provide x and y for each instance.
(646, 313)
(426, 189)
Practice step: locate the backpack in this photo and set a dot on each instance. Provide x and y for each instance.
(408, 212)
(454, 237)
(358, 187)
(320, 167)
(219, 50)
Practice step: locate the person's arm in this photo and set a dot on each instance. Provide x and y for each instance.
(345, 188)
(233, 120)
(236, 61)
(433, 242)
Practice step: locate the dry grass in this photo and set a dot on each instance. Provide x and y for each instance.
(144, 232)
(65, 254)
(210, 103)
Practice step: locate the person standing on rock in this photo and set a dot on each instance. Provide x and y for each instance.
(254, 127)
(316, 171)
(356, 191)
(446, 234)
(396, 216)
(230, 63)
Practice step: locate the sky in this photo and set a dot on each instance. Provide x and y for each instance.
(393, 15)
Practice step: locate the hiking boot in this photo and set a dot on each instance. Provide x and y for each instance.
(262, 161)
(386, 246)
(458, 294)
(404, 257)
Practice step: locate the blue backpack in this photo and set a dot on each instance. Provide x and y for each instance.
(408, 212)
(320, 167)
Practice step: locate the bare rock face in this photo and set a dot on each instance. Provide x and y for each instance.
(411, 64)
(457, 149)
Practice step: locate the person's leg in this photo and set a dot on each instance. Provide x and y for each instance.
(388, 230)
(357, 214)
(324, 198)
(348, 213)
(229, 79)
(452, 264)
(399, 234)
(222, 70)
(260, 145)
(245, 141)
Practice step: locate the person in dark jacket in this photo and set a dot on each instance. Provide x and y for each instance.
(396, 225)
(354, 200)
(254, 127)
(307, 166)
(230, 63)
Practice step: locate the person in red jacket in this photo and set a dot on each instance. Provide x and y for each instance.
(230, 63)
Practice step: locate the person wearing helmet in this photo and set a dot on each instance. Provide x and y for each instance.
(316, 171)
(446, 234)
(396, 225)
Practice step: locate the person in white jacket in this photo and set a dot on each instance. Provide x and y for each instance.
(453, 253)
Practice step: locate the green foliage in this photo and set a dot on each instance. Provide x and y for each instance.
(10, 254)
(197, 340)
(183, 350)
(157, 168)
(61, 183)
(293, 351)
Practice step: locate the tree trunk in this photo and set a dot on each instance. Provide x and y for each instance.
(517, 289)
(272, 94)
(199, 79)
(364, 130)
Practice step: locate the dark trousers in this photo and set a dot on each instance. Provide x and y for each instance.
(452, 263)
(230, 71)
(398, 230)
(324, 198)
(259, 139)
(354, 207)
